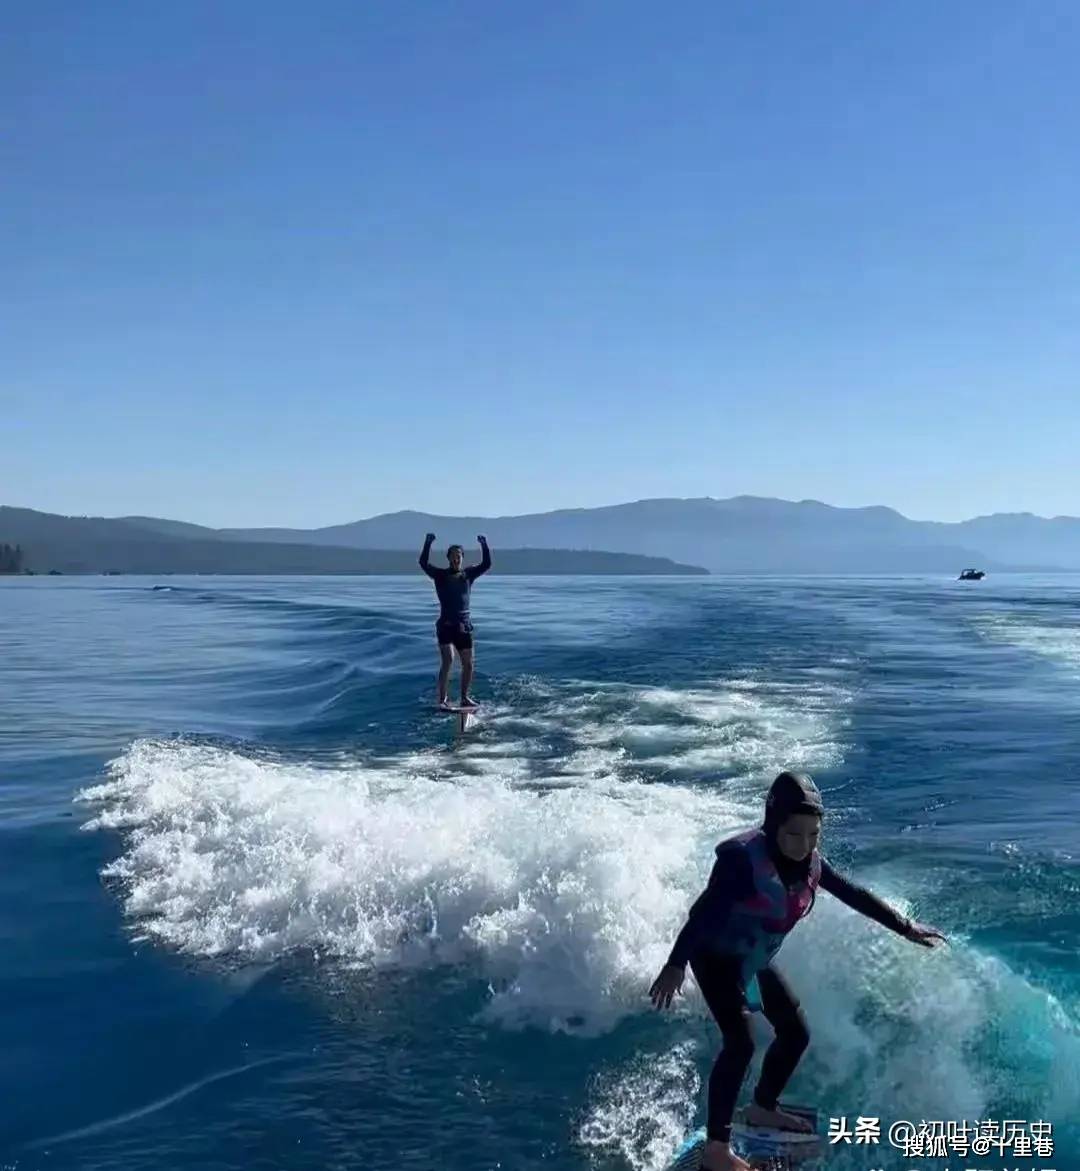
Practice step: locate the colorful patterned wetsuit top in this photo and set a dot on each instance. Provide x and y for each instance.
(759, 923)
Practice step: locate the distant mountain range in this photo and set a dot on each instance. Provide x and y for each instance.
(744, 534)
(64, 544)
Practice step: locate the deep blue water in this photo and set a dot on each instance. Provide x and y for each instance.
(260, 907)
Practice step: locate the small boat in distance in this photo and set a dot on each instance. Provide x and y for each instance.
(972, 575)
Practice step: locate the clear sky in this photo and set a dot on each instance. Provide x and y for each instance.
(271, 263)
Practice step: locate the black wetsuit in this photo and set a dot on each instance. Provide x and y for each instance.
(454, 626)
(719, 976)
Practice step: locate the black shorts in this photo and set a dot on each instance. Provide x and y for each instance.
(455, 634)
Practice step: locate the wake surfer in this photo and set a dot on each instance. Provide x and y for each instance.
(454, 628)
(762, 883)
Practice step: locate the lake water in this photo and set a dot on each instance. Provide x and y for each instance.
(261, 906)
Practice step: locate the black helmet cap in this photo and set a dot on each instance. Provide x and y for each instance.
(791, 793)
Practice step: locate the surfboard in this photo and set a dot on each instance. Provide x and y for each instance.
(688, 1156)
(762, 1147)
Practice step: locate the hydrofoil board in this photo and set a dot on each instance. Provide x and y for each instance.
(466, 716)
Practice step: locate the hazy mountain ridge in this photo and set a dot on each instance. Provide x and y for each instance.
(744, 534)
(132, 545)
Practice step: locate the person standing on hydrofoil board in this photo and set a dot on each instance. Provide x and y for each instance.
(762, 883)
(454, 628)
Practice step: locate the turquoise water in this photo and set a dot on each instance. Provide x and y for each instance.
(262, 908)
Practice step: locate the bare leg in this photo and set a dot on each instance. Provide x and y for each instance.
(447, 653)
(466, 657)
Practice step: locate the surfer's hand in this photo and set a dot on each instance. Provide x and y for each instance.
(666, 985)
(429, 538)
(482, 540)
(926, 936)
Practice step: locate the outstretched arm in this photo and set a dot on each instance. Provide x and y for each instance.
(858, 898)
(474, 571)
(424, 555)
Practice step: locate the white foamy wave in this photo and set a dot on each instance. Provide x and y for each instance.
(640, 1112)
(562, 880)
(902, 1029)
(1059, 641)
(740, 728)
(567, 898)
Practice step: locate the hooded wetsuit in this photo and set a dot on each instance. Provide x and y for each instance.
(728, 931)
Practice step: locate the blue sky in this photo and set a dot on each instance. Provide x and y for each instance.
(281, 264)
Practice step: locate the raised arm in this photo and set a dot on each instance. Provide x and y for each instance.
(424, 556)
(474, 571)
